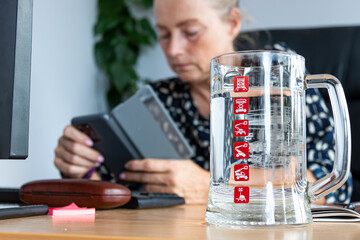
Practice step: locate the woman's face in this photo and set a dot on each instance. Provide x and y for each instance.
(191, 33)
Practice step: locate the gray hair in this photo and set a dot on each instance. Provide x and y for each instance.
(224, 6)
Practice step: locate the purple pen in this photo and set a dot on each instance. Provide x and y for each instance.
(89, 173)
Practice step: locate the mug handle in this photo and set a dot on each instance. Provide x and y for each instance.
(341, 169)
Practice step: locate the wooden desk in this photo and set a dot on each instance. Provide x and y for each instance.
(183, 222)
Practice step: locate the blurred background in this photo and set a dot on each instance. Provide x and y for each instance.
(65, 81)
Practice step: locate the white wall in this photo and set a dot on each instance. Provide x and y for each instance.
(297, 14)
(63, 83)
(271, 14)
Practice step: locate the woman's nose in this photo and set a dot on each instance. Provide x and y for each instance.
(176, 46)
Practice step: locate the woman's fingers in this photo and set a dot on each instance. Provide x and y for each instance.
(74, 156)
(70, 170)
(80, 150)
(74, 159)
(142, 177)
(183, 177)
(149, 165)
(77, 136)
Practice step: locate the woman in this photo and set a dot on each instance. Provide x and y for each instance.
(191, 33)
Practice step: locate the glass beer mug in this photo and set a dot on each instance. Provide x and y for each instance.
(258, 140)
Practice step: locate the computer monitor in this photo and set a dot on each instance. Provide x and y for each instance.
(15, 57)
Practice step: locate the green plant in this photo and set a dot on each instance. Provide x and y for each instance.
(121, 37)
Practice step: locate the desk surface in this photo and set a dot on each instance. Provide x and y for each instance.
(183, 222)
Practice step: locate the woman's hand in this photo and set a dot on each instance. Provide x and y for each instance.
(74, 156)
(183, 177)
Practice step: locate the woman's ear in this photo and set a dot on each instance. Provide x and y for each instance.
(235, 20)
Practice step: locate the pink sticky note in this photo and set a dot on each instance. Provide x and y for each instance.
(71, 209)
